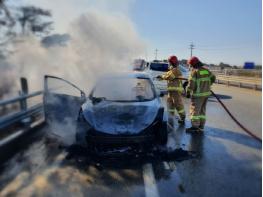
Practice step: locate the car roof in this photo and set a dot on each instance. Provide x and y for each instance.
(158, 62)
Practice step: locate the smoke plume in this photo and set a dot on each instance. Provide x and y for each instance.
(99, 44)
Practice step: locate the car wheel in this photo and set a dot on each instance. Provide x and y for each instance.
(162, 134)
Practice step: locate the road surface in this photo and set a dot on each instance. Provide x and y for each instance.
(229, 161)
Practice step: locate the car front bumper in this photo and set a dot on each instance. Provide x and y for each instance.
(119, 140)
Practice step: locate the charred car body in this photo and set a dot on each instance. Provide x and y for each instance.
(121, 110)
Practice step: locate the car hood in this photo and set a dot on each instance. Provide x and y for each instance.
(119, 117)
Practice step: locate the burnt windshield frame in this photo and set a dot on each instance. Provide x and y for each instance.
(127, 101)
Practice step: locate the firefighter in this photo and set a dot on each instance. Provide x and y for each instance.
(198, 88)
(175, 89)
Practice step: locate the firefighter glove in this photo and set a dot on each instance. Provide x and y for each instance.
(159, 77)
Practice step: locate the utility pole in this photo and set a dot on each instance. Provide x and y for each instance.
(192, 48)
(156, 53)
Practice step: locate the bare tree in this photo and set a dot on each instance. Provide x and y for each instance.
(7, 13)
(7, 23)
(31, 19)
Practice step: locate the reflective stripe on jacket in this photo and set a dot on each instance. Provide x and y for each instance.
(200, 81)
(173, 84)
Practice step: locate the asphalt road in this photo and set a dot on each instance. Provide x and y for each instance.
(228, 162)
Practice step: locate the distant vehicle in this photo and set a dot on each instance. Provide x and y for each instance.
(185, 71)
(158, 68)
(139, 64)
(120, 110)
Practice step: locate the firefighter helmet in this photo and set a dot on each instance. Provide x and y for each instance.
(193, 61)
(173, 60)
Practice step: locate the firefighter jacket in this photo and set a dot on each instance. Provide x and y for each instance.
(173, 84)
(200, 81)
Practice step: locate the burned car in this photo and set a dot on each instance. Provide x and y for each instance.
(121, 110)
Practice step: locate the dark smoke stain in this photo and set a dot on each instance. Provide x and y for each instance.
(128, 158)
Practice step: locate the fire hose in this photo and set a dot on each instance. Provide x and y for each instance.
(235, 120)
(232, 116)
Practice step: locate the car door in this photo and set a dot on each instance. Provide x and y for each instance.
(62, 100)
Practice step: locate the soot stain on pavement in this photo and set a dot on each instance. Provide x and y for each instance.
(128, 158)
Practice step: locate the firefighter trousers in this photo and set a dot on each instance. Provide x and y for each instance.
(175, 103)
(197, 111)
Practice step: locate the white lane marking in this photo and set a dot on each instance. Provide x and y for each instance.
(166, 165)
(150, 186)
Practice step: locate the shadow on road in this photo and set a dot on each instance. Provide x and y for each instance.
(229, 165)
(239, 138)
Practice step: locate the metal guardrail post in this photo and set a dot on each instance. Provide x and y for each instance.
(23, 102)
(24, 91)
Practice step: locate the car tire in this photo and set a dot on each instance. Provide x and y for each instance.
(162, 134)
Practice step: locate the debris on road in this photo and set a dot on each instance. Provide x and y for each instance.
(127, 156)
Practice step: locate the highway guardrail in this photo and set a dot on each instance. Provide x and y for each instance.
(253, 82)
(25, 115)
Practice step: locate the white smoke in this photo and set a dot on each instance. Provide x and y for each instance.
(100, 44)
(7, 75)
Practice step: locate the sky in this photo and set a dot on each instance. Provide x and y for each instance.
(228, 31)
